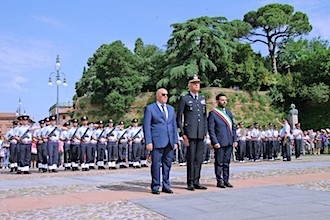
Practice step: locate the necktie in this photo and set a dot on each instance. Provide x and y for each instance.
(163, 110)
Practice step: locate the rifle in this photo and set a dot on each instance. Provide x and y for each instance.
(137, 133)
(74, 134)
(99, 137)
(82, 137)
(24, 135)
(108, 135)
(121, 137)
(51, 134)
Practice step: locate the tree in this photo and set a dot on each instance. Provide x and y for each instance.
(113, 79)
(198, 46)
(274, 24)
(149, 63)
(309, 64)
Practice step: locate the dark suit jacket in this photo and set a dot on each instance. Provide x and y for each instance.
(219, 131)
(191, 117)
(157, 130)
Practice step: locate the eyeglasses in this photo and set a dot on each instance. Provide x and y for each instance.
(164, 94)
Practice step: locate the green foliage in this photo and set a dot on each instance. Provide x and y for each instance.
(274, 24)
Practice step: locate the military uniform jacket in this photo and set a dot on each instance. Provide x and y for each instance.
(191, 117)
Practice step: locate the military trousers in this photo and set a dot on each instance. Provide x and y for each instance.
(66, 152)
(75, 152)
(241, 149)
(52, 154)
(195, 153)
(100, 151)
(136, 147)
(25, 156)
(297, 147)
(122, 152)
(13, 154)
(182, 152)
(112, 148)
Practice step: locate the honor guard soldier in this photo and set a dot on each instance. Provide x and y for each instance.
(84, 134)
(38, 139)
(53, 136)
(13, 147)
(65, 138)
(92, 146)
(285, 135)
(24, 136)
(136, 137)
(255, 136)
(43, 153)
(100, 138)
(122, 137)
(270, 141)
(112, 147)
(276, 141)
(192, 124)
(241, 136)
(74, 144)
(263, 142)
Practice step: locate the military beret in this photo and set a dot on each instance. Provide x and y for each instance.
(84, 118)
(135, 120)
(193, 79)
(121, 123)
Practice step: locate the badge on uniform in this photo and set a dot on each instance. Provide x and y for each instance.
(203, 102)
(190, 102)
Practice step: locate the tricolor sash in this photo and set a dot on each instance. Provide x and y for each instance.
(223, 115)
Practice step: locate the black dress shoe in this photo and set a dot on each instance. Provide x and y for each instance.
(156, 192)
(165, 190)
(26, 172)
(221, 185)
(227, 184)
(191, 188)
(198, 186)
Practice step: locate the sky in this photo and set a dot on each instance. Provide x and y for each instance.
(33, 33)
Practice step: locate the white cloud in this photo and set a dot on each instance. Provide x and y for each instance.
(48, 21)
(20, 56)
(16, 83)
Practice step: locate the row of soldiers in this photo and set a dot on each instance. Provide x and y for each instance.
(82, 145)
(268, 142)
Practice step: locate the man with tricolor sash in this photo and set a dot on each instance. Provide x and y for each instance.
(223, 138)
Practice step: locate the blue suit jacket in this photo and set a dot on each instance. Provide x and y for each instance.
(157, 130)
(219, 131)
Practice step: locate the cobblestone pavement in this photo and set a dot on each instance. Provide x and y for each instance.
(126, 209)
(117, 210)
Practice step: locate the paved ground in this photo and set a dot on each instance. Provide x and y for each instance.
(265, 190)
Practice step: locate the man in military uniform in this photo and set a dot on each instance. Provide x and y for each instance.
(10, 137)
(99, 136)
(92, 146)
(241, 136)
(136, 137)
(38, 139)
(66, 146)
(122, 137)
(192, 124)
(112, 147)
(84, 134)
(74, 144)
(24, 136)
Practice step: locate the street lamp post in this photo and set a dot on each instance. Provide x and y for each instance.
(58, 83)
(19, 109)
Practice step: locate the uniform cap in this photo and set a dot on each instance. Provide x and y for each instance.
(74, 120)
(47, 119)
(52, 118)
(41, 121)
(121, 123)
(15, 122)
(193, 79)
(256, 123)
(100, 122)
(84, 118)
(270, 124)
(110, 120)
(24, 117)
(135, 120)
(66, 124)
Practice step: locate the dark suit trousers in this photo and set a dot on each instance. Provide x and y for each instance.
(222, 161)
(195, 157)
(161, 156)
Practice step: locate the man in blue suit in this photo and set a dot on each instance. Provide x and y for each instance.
(223, 138)
(161, 138)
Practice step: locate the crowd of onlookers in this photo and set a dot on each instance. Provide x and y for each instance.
(316, 142)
